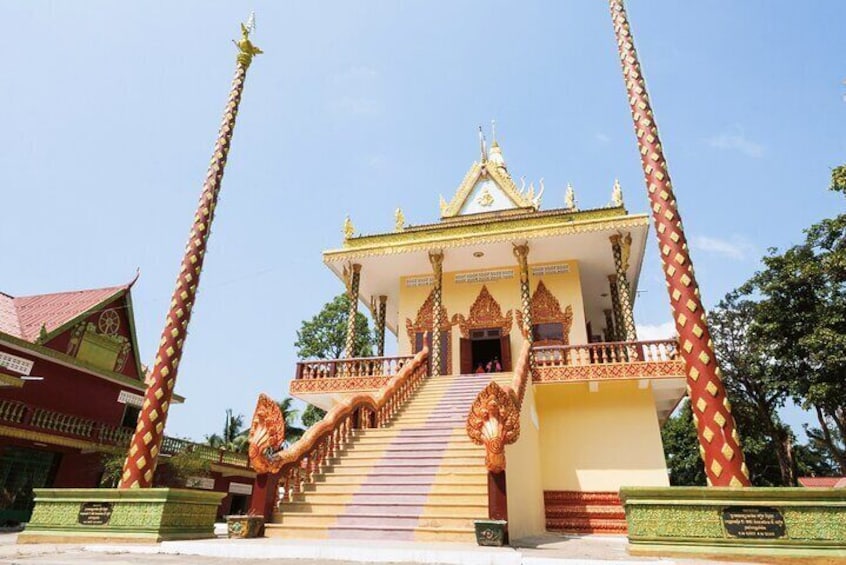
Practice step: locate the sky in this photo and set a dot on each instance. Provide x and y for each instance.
(110, 112)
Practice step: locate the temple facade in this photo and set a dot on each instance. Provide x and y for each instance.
(498, 278)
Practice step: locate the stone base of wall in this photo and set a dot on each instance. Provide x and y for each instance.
(125, 516)
(791, 521)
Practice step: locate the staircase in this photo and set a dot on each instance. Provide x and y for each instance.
(420, 478)
(576, 512)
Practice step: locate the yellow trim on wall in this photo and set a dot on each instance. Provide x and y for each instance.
(10, 380)
(42, 437)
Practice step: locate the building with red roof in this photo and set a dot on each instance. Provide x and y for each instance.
(71, 388)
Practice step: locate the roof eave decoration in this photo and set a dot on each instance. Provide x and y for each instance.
(496, 173)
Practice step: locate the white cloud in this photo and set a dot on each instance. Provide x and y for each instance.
(738, 248)
(648, 332)
(736, 141)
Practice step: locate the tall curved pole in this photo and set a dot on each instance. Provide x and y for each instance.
(719, 443)
(140, 464)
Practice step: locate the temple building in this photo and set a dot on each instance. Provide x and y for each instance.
(71, 389)
(498, 286)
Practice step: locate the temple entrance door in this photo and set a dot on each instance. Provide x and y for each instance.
(419, 339)
(485, 348)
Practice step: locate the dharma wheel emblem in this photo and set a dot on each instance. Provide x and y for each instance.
(109, 322)
(485, 198)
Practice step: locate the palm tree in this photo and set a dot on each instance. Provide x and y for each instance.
(293, 432)
(234, 437)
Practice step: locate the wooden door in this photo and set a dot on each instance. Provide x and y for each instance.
(466, 352)
(505, 349)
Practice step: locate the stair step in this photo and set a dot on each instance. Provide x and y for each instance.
(374, 533)
(389, 498)
(443, 508)
(376, 520)
(396, 489)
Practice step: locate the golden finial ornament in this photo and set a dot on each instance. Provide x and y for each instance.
(570, 198)
(399, 220)
(444, 205)
(349, 229)
(617, 194)
(246, 49)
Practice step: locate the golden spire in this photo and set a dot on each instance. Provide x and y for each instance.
(399, 220)
(570, 198)
(246, 49)
(349, 230)
(482, 149)
(496, 152)
(617, 194)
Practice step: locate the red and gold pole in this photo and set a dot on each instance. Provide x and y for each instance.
(144, 448)
(719, 443)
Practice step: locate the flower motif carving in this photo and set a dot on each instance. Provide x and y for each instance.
(424, 320)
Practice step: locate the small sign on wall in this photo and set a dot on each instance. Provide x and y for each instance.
(94, 513)
(206, 483)
(126, 397)
(15, 363)
(240, 488)
(753, 522)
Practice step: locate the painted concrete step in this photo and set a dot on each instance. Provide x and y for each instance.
(364, 533)
(377, 520)
(398, 449)
(337, 507)
(392, 498)
(469, 479)
(392, 489)
(459, 473)
(415, 459)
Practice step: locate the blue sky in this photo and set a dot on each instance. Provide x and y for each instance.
(110, 111)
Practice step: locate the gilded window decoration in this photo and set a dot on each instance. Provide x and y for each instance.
(99, 344)
(546, 309)
(484, 313)
(423, 321)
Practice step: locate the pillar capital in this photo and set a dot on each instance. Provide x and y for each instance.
(383, 299)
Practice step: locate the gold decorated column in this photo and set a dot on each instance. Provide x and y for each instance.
(620, 247)
(619, 335)
(610, 332)
(719, 442)
(436, 258)
(521, 252)
(141, 461)
(352, 277)
(380, 325)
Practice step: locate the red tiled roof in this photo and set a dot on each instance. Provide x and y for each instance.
(24, 316)
(823, 482)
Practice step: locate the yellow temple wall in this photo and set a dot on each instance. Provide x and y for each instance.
(459, 297)
(523, 480)
(599, 441)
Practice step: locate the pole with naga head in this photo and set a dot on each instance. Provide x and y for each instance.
(719, 443)
(140, 464)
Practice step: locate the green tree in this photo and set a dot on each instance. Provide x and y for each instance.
(233, 436)
(324, 336)
(802, 318)
(293, 432)
(681, 449)
(756, 391)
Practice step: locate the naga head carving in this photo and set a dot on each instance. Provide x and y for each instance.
(494, 421)
(267, 432)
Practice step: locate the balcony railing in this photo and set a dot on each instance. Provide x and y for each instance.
(623, 359)
(40, 419)
(347, 368)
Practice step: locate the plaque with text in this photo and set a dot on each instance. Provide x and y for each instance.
(753, 522)
(94, 513)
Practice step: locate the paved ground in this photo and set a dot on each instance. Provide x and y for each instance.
(546, 550)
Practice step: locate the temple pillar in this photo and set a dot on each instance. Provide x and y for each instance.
(146, 442)
(610, 332)
(615, 308)
(353, 280)
(620, 246)
(380, 326)
(521, 252)
(719, 442)
(436, 258)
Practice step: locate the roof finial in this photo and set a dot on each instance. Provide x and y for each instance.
(496, 151)
(493, 134)
(570, 198)
(617, 194)
(482, 149)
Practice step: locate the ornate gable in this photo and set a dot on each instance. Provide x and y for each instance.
(484, 313)
(546, 309)
(425, 316)
(488, 187)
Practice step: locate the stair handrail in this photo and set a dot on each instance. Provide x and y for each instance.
(494, 417)
(298, 463)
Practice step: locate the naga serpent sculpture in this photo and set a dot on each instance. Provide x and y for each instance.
(267, 433)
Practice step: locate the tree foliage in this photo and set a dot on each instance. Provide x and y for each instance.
(781, 337)
(324, 336)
